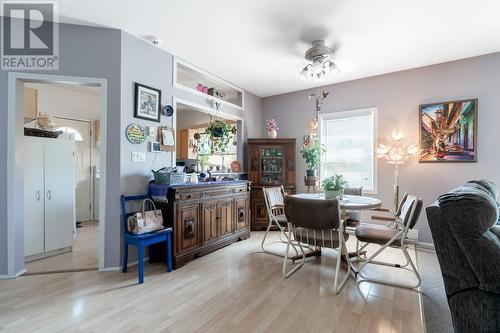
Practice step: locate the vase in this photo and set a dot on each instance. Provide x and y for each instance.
(311, 172)
(334, 194)
(272, 134)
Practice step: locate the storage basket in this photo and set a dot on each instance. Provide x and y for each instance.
(166, 176)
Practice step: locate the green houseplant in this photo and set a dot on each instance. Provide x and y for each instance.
(311, 153)
(220, 135)
(203, 161)
(334, 186)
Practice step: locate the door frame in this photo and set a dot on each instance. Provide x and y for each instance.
(16, 80)
(211, 111)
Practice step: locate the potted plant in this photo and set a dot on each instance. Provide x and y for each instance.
(272, 128)
(220, 135)
(334, 187)
(311, 152)
(203, 161)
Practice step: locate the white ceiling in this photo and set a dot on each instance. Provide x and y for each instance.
(259, 44)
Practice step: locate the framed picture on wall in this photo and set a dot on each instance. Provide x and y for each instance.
(448, 131)
(147, 103)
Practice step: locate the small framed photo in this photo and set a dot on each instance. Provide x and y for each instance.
(147, 103)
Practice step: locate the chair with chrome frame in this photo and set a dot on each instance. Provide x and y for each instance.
(393, 234)
(318, 223)
(274, 198)
(352, 218)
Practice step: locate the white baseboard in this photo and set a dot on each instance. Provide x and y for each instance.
(47, 254)
(13, 276)
(119, 268)
(110, 269)
(134, 263)
(425, 246)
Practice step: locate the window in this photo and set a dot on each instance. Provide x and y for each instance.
(349, 138)
(72, 132)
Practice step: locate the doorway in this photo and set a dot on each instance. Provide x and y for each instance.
(81, 131)
(70, 129)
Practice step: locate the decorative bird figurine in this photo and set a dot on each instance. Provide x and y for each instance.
(319, 99)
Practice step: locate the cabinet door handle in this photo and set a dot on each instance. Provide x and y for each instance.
(188, 228)
(38, 195)
(49, 195)
(241, 214)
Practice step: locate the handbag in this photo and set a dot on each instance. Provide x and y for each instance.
(145, 221)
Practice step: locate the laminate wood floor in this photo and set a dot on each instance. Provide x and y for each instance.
(84, 255)
(235, 289)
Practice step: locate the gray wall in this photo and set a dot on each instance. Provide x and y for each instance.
(121, 59)
(397, 96)
(84, 51)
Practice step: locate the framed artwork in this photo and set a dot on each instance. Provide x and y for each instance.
(147, 103)
(448, 131)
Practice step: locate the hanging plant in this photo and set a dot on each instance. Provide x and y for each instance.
(221, 135)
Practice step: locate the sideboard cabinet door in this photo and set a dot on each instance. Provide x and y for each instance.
(187, 229)
(241, 211)
(210, 221)
(226, 217)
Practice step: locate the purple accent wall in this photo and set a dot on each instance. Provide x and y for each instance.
(397, 96)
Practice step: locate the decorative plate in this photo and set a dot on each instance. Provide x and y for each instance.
(235, 166)
(167, 110)
(135, 133)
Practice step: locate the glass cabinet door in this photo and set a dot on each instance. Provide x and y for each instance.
(271, 165)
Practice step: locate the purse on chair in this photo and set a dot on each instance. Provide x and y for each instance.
(145, 221)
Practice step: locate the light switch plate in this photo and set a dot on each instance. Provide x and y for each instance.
(138, 157)
(151, 131)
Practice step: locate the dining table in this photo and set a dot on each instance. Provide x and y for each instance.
(347, 203)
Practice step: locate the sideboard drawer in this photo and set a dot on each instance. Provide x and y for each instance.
(189, 195)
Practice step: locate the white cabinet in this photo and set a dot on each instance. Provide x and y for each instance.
(49, 194)
(34, 192)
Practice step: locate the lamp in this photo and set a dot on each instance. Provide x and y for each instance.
(396, 154)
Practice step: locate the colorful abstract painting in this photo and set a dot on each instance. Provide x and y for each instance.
(448, 131)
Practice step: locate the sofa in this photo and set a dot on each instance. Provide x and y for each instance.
(466, 234)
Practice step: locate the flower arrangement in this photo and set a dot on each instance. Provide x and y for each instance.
(272, 125)
(272, 128)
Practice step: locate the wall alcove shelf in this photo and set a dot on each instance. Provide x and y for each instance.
(187, 77)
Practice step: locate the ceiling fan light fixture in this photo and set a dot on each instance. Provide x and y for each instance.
(303, 73)
(319, 65)
(333, 67)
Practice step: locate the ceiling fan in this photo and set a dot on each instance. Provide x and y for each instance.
(320, 65)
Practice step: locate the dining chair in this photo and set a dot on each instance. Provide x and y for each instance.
(353, 217)
(316, 222)
(394, 235)
(142, 240)
(274, 199)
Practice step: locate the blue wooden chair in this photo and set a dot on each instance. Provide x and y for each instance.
(143, 240)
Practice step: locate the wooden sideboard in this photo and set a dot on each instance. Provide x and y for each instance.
(205, 217)
(271, 162)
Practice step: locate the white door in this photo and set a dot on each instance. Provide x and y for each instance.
(83, 152)
(59, 194)
(33, 158)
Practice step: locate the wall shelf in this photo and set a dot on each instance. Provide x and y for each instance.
(187, 77)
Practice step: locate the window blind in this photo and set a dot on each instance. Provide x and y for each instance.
(349, 139)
